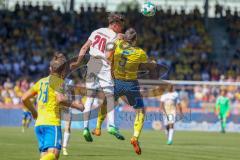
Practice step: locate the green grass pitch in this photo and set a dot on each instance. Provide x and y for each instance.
(15, 145)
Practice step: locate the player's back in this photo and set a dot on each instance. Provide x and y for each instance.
(127, 60)
(48, 108)
(98, 57)
(99, 39)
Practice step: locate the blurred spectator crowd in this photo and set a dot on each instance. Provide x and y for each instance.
(29, 35)
(10, 93)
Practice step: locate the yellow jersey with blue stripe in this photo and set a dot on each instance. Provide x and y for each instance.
(48, 108)
(126, 60)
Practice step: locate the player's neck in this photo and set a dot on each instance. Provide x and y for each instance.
(55, 74)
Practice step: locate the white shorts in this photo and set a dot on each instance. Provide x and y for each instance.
(169, 118)
(99, 76)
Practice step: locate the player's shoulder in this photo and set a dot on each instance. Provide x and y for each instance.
(139, 50)
(143, 54)
(105, 30)
(218, 98)
(119, 43)
(163, 96)
(43, 79)
(227, 98)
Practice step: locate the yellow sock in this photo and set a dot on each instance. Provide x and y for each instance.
(49, 156)
(24, 122)
(27, 123)
(101, 115)
(138, 124)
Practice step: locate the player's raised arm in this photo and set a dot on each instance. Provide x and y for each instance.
(82, 53)
(63, 100)
(27, 102)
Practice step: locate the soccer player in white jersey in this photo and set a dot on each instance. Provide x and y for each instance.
(99, 70)
(169, 103)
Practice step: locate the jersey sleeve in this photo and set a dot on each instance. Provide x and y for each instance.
(35, 87)
(91, 37)
(143, 57)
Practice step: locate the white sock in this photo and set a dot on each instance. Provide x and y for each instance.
(170, 135)
(87, 105)
(110, 110)
(66, 137)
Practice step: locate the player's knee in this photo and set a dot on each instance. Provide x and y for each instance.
(54, 152)
(171, 125)
(68, 129)
(167, 127)
(140, 110)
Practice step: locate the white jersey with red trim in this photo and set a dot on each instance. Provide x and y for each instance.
(99, 69)
(99, 39)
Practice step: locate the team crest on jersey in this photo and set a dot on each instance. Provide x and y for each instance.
(125, 52)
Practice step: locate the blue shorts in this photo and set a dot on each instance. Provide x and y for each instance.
(131, 90)
(48, 137)
(27, 115)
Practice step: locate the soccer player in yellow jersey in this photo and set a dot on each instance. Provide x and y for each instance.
(127, 59)
(50, 97)
(26, 119)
